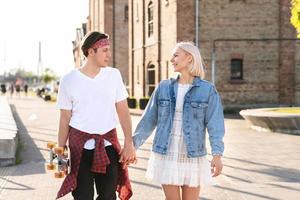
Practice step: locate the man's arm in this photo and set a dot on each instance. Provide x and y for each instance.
(128, 151)
(63, 131)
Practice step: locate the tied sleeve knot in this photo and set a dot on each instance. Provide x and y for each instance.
(101, 159)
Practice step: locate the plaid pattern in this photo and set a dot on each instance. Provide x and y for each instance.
(77, 140)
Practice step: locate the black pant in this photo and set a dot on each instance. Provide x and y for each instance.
(106, 184)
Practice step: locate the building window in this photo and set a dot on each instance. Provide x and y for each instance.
(236, 69)
(150, 19)
(150, 79)
(126, 13)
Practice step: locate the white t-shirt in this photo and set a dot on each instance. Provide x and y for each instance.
(92, 100)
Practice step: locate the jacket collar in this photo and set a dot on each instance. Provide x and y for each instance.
(174, 85)
(196, 82)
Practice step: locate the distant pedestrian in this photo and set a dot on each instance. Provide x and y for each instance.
(11, 89)
(3, 89)
(26, 89)
(18, 89)
(181, 110)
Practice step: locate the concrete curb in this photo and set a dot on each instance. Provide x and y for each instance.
(8, 134)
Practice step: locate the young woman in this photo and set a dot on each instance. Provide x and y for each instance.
(181, 110)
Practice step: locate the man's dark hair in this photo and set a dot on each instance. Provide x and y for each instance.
(90, 39)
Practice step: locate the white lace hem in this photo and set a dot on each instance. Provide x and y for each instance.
(175, 173)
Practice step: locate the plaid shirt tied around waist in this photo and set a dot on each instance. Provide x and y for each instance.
(77, 140)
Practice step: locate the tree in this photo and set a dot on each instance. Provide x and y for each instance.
(48, 76)
(295, 15)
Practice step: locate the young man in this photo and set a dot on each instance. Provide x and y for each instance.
(88, 99)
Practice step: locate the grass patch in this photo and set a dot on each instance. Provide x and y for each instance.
(287, 110)
(20, 147)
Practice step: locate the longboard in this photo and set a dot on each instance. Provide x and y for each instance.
(59, 159)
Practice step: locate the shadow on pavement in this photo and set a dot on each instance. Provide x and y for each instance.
(19, 185)
(283, 174)
(145, 184)
(248, 193)
(29, 153)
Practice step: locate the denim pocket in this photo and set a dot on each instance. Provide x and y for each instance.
(163, 107)
(199, 109)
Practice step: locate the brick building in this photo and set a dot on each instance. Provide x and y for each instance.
(248, 72)
(111, 17)
(77, 53)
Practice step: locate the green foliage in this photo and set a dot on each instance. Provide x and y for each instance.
(295, 15)
(48, 76)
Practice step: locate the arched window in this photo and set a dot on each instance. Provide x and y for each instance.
(150, 79)
(126, 13)
(150, 19)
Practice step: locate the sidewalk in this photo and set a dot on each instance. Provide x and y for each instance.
(257, 165)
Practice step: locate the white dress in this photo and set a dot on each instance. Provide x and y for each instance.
(175, 168)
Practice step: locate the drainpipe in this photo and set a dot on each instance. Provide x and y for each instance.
(159, 41)
(144, 50)
(197, 22)
(114, 34)
(132, 51)
(213, 64)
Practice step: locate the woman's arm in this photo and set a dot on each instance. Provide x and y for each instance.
(148, 122)
(214, 120)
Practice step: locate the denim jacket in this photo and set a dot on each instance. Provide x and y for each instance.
(202, 109)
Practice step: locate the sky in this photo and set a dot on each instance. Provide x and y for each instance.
(26, 22)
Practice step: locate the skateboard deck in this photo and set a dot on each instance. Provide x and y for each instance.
(59, 159)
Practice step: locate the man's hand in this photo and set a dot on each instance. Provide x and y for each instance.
(128, 155)
(128, 152)
(216, 166)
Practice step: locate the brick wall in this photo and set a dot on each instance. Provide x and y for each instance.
(168, 36)
(243, 19)
(270, 75)
(121, 39)
(297, 74)
(286, 56)
(104, 16)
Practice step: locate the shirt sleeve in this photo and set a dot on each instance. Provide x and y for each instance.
(63, 98)
(121, 89)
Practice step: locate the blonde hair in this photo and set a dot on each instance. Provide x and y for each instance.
(197, 67)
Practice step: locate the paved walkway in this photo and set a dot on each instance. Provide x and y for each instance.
(258, 165)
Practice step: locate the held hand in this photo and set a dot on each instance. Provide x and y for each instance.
(128, 155)
(216, 166)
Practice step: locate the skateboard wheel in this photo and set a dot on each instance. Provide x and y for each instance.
(59, 150)
(50, 145)
(66, 172)
(50, 167)
(59, 175)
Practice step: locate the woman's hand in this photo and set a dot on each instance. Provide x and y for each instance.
(128, 155)
(216, 166)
